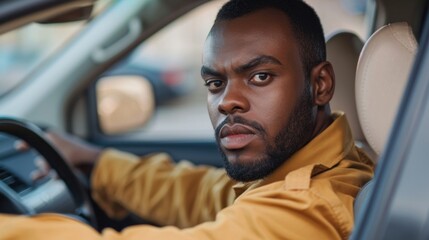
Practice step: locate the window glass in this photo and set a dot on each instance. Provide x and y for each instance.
(23, 49)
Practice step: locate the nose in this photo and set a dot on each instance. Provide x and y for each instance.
(233, 99)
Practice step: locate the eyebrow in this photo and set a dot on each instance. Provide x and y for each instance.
(206, 71)
(259, 60)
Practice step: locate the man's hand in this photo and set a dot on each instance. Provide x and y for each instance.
(75, 151)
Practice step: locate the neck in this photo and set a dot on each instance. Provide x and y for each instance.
(323, 119)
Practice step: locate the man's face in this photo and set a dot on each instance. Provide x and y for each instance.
(259, 101)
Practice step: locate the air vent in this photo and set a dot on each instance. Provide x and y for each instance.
(13, 181)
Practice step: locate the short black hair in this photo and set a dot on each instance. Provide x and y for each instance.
(304, 20)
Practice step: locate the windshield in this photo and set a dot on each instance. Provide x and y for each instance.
(25, 48)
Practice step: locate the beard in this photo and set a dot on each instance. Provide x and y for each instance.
(290, 139)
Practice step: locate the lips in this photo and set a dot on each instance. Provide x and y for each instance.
(236, 136)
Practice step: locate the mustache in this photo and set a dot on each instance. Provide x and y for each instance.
(237, 119)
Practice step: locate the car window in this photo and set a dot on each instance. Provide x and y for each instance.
(25, 48)
(171, 59)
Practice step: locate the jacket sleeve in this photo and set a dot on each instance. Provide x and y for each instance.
(267, 213)
(159, 190)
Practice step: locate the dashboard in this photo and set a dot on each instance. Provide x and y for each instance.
(48, 194)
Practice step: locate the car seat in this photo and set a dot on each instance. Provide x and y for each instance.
(381, 76)
(343, 49)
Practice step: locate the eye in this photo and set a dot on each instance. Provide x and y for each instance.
(261, 78)
(214, 85)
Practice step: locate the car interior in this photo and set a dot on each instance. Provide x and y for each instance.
(393, 48)
(384, 63)
(375, 87)
(372, 76)
(343, 50)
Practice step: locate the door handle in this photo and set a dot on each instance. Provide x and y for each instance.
(103, 54)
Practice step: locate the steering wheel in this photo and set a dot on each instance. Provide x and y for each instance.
(34, 137)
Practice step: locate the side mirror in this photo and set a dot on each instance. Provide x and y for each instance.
(124, 103)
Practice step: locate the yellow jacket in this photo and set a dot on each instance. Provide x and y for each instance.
(309, 197)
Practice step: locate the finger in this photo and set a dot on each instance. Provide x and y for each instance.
(43, 170)
(37, 175)
(52, 136)
(21, 145)
(53, 174)
(42, 165)
(49, 135)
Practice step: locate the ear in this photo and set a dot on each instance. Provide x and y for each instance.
(323, 83)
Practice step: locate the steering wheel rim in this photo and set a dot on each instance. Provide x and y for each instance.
(34, 137)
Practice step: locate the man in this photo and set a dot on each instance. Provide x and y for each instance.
(296, 165)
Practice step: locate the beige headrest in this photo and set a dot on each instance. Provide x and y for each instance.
(343, 49)
(381, 76)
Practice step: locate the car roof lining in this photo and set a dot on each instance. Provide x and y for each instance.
(15, 15)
